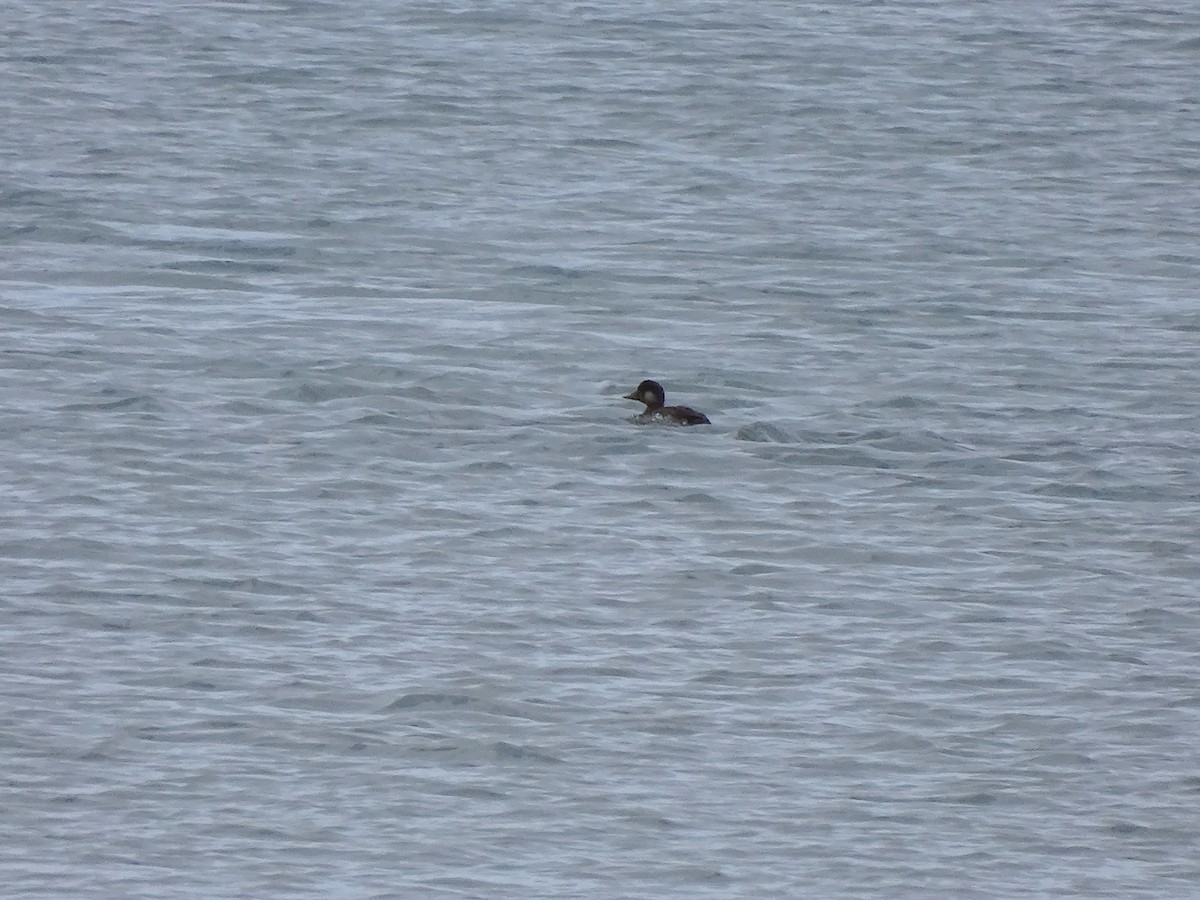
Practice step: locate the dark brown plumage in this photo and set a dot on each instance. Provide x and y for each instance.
(652, 394)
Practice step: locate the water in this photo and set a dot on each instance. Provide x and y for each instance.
(333, 565)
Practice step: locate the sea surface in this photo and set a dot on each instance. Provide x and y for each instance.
(332, 564)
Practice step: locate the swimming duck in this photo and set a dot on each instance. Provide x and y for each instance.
(652, 394)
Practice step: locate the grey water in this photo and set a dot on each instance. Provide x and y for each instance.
(332, 562)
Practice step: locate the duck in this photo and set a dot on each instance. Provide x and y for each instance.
(652, 394)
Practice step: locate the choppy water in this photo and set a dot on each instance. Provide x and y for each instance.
(333, 565)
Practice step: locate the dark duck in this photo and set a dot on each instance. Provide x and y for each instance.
(652, 394)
